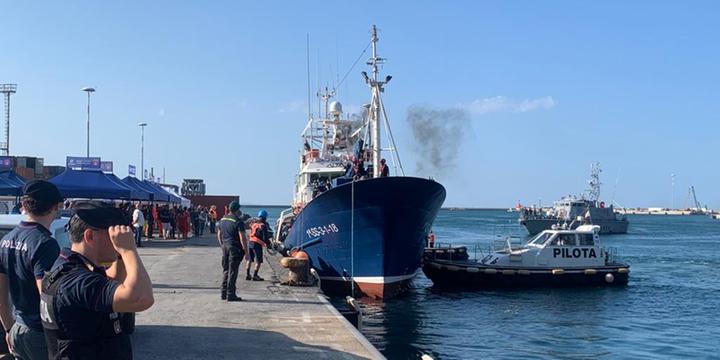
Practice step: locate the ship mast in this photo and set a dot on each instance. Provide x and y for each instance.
(375, 105)
(594, 182)
(325, 97)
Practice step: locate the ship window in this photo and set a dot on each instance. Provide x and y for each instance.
(541, 239)
(564, 240)
(587, 240)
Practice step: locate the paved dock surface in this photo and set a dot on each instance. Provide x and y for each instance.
(189, 321)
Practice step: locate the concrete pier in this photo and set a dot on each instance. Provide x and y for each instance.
(189, 321)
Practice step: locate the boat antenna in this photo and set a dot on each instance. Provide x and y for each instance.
(309, 101)
(318, 84)
(353, 64)
(325, 97)
(337, 63)
(594, 183)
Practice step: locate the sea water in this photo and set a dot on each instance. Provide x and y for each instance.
(669, 310)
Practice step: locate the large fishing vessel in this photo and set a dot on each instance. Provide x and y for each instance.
(575, 211)
(364, 231)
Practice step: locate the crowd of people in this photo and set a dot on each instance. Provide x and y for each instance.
(171, 221)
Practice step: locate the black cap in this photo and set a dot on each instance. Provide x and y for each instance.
(42, 190)
(234, 206)
(100, 215)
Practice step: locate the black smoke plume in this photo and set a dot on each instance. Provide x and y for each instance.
(438, 137)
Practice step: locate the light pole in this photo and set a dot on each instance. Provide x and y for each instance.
(672, 179)
(142, 126)
(88, 90)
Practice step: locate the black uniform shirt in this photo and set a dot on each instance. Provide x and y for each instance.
(229, 229)
(26, 253)
(84, 298)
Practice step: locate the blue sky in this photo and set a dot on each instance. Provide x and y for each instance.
(549, 87)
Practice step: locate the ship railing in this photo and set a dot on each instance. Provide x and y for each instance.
(610, 255)
(475, 251)
(507, 244)
(507, 237)
(280, 221)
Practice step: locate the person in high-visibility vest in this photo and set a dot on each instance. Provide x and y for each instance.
(213, 217)
(260, 235)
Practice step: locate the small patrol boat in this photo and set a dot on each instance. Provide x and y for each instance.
(559, 257)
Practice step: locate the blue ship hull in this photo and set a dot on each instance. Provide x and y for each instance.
(375, 237)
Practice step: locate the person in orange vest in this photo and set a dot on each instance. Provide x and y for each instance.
(431, 239)
(260, 235)
(213, 218)
(156, 220)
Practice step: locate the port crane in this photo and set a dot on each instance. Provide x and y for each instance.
(691, 194)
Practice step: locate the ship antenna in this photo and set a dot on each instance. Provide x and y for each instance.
(594, 182)
(309, 102)
(319, 113)
(325, 97)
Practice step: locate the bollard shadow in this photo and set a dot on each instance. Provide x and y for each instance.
(190, 342)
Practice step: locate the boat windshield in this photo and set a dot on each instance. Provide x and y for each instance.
(564, 240)
(540, 239)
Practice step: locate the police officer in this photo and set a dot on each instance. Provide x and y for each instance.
(259, 237)
(80, 300)
(232, 239)
(26, 253)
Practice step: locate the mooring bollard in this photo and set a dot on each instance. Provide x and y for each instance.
(298, 268)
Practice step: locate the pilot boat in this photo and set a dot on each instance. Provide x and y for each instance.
(559, 257)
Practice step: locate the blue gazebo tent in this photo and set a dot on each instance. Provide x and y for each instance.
(136, 193)
(13, 178)
(90, 184)
(164, 194)
(180, 200)
(10, 183)
(154, 193)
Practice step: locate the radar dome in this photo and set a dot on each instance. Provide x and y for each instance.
(335, 108)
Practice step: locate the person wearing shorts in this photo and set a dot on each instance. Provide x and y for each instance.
(259, 237)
